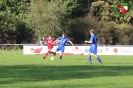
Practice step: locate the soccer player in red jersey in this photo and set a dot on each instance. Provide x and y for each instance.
(50, 45)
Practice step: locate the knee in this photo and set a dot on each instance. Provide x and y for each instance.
(89, 53)
(95, 55)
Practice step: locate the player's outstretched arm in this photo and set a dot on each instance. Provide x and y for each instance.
(56, 42)
(45, 42)
(71, 43)
(88, 41)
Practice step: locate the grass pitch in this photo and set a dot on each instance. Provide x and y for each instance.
(31, 71)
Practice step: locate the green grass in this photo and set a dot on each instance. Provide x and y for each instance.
(31, 71)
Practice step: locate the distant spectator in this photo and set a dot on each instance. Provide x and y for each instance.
(42, 41)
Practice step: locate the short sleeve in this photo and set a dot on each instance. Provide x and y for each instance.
(53, 39)
(67, 40)
(59, 38)
(91, 39)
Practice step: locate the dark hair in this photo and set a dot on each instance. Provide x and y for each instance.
(64, 34)
(50, 34)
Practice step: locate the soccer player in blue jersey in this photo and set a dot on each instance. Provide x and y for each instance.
(61, 44)
(93, 47)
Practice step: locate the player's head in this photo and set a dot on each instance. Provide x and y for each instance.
(42, 37)
(92, 31)
(63, 35)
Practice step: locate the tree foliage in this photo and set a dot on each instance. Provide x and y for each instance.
(50, 17)
(26, 21)
(11, 16)
(117, 29)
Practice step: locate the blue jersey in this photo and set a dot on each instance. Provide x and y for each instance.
(94, 39)
(93, 47)
(63, 41)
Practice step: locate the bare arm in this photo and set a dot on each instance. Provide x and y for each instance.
(88, 41)
(45, 42)
(56, 42)
(71, 43)
(41, 42)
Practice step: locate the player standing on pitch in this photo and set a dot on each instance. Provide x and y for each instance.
(62, 42)
(50, 45)
(93, 47)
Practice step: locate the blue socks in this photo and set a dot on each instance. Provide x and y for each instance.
(53, 54)
(99, 60)
(60, 57)
(89, 59)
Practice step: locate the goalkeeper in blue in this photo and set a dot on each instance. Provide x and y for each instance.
(61, 41)
(93, 47)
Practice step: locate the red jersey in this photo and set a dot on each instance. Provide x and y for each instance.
(50, 42)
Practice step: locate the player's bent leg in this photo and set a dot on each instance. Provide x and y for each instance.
(89, 58)
(54, 53)
(49, 50)
(61, 55)
(47, 53)
(62, 50)
(98, 58)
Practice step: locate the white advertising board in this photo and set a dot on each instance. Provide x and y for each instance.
(80, 50)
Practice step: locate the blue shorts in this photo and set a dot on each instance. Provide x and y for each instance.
(61, 48)
(93, 49)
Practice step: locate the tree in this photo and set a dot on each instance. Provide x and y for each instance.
(12, 12)
(49, 17)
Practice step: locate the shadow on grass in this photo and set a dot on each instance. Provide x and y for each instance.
(23, 73)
